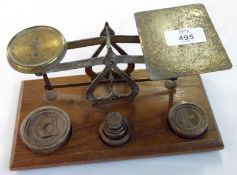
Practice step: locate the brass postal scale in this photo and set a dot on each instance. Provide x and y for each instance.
(118, 113)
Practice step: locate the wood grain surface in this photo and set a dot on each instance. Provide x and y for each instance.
(146, 114)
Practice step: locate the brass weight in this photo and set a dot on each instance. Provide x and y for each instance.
(115, 130)
(187, 120)
(46, 129)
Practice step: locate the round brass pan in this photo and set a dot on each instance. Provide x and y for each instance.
(36, 49)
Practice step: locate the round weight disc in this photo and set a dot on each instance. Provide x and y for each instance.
(187, 120)
(45, 129)
(36, 49)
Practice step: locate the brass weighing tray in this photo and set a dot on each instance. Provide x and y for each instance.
(36, 49)
(165, 61)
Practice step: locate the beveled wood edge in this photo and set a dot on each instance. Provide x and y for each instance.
(216, 144)
(16, 126)
(214, 120)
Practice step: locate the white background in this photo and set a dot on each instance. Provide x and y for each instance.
(82, 19)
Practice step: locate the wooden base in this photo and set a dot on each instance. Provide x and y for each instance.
(146, 114)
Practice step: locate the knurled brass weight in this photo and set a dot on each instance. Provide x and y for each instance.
(114, 130)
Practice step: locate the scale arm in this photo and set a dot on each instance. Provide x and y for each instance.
(102, 40)
(95, 61)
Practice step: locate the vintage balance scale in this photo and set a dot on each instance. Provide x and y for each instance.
(77, 122)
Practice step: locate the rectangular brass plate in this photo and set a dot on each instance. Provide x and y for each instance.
(164, 61)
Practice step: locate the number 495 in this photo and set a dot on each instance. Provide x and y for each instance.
(186, 37)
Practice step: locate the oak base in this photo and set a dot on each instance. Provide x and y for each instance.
(146, 114)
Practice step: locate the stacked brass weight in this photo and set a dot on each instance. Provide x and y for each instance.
(114, 130)
(46, 129)
(36, 49)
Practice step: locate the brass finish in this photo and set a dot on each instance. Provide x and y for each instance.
(163, 61)
(36, 49)
(40, 49)
(187, 120)
(45, 129)
(114, 130)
